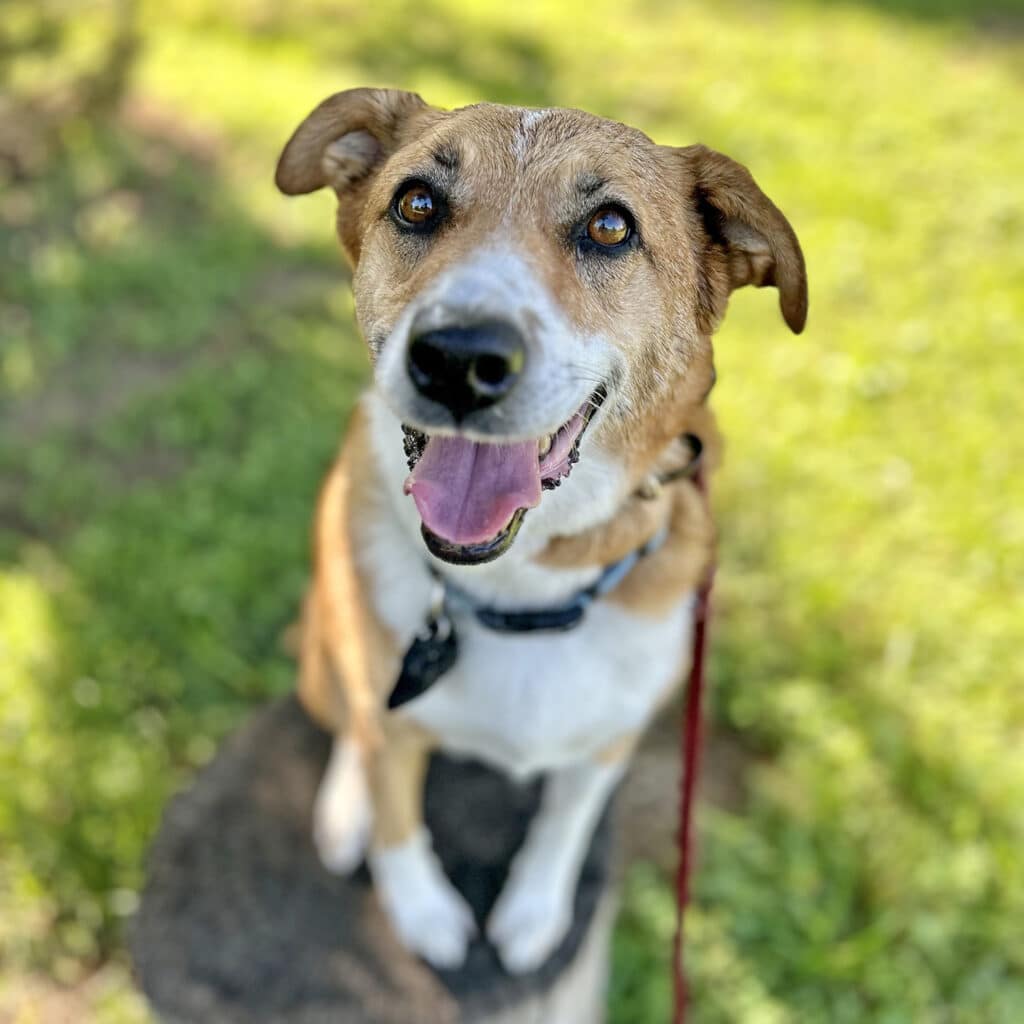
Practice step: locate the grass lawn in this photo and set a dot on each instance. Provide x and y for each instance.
(178, 356)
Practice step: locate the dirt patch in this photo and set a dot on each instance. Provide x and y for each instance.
(649, 803)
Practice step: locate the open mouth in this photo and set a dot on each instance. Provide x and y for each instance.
(472, 495)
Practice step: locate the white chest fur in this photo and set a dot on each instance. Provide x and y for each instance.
(540, 701)
(536, 701)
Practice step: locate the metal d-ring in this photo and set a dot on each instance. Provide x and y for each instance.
(653, 484)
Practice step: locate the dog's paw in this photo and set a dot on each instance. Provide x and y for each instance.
(343, 812)
(530, 919)
(428, 913)
(435, 923)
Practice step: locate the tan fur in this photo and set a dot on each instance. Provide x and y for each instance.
(637, 522)
(640, 518)
(345, 647)
(680, 565)
(397, 770)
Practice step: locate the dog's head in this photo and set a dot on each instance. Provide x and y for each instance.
(523, 277)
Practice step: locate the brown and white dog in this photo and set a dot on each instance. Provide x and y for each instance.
(538, 290)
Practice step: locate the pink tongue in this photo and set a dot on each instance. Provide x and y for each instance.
(466, 492)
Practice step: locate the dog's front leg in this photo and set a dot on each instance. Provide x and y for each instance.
(535, 909)
(343, 813)
(425, 909)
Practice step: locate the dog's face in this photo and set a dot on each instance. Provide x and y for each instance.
(525, 277)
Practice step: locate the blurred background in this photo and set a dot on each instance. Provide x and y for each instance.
(178, 358)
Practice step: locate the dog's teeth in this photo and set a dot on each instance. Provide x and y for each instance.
(414, 442)
(544, 445)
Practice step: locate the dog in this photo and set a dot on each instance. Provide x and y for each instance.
(537, 290)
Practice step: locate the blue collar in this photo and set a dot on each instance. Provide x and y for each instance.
(565, 617)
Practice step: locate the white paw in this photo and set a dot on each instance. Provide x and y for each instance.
(343, 813)
(425, 909)
(529, 921)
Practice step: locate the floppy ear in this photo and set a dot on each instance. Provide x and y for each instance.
(344, 139)
(750, 241)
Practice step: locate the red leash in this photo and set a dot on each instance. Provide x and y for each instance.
(692, 720)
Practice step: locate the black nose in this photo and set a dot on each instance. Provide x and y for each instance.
(466, 368)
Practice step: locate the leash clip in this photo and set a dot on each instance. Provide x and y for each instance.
(650, 489)
(654, 483)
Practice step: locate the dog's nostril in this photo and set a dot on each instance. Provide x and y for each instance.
(490, 373)
(426, 362)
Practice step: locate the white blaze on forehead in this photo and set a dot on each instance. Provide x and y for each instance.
(523, 136)
(491, 282)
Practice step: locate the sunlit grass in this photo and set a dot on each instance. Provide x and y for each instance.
(178, 357)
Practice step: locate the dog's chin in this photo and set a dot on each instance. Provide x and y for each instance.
(474, 554)
(557, 453)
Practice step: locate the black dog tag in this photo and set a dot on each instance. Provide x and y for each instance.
(431, 654)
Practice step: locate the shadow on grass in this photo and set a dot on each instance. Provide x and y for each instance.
(176, 382)
(987, 15)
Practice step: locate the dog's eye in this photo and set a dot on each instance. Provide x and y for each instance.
(416, 205)
(609, 227)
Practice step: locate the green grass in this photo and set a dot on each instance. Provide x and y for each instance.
(177, 358)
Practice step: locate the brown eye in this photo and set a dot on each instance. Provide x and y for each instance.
(608, 227)
(416, 205)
